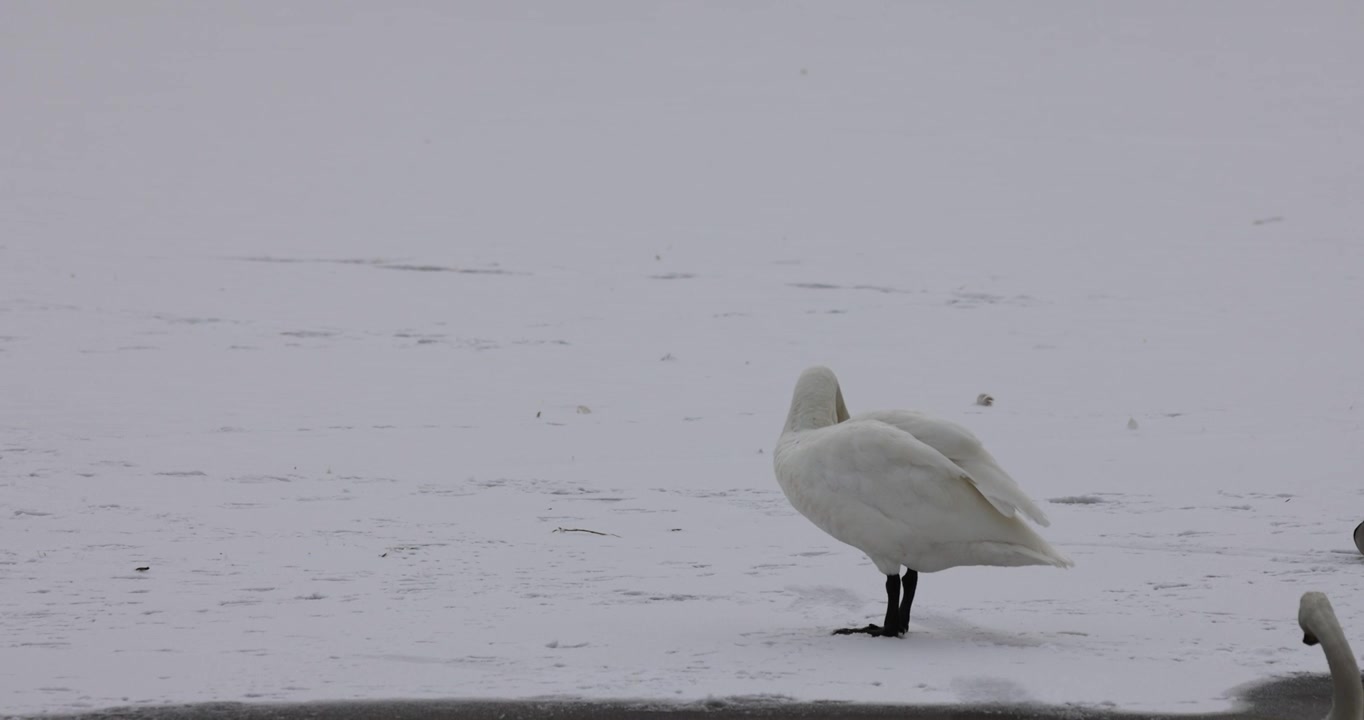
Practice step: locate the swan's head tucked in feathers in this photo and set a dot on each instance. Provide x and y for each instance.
(817, 401)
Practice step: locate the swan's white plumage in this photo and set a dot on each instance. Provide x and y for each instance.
(876, 486)
(964, 449)
(1318, 622)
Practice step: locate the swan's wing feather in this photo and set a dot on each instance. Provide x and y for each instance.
(964, 449)
(1000, 489)
(885, 468)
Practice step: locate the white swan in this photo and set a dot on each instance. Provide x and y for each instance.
(1319, 625)
(903, 488)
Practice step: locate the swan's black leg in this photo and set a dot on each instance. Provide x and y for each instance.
(911, 584)
(892, 602)
(893, 610)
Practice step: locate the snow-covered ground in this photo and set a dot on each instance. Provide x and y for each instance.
(330, 314)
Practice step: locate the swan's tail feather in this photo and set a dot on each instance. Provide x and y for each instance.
(1012, 555)
(1052, 558)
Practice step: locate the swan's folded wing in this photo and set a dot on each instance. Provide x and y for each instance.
(883, 467)
(964, 449)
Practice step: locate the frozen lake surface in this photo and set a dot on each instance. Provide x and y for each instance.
(319, 321)
(1296, 696)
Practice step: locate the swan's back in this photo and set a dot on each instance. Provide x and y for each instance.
(963, 448)
(876, 487)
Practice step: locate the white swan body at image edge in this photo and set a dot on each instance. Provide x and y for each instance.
(1319, 625)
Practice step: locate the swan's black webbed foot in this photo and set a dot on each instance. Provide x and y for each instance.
(897, 615)
(872, 630)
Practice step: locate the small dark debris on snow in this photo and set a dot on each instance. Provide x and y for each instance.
(144, 568)
(581, 530)
(1078, 500)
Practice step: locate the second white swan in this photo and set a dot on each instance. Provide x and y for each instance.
(1319, 626)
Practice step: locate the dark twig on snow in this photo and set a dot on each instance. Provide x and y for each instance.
(594, 532)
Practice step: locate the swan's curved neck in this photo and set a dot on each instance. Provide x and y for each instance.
(816, 405)
(1347, 695)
